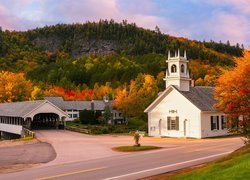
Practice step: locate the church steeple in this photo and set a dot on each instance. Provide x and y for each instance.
(177, 72)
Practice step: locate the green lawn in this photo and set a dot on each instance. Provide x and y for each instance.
(234, 166)
(134, 148)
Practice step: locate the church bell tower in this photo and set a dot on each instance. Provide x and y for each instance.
(177, 72)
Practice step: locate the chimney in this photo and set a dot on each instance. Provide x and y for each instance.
(92, 105)
(106, 98)
(192, 83)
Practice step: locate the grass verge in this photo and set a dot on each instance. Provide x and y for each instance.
(234, 166)
(135, 148)
(27, 138)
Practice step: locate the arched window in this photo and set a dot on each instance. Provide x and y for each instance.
(182, 68)
(173, 68)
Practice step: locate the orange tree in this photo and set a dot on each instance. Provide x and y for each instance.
(233, 95)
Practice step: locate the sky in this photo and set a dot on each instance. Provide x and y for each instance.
(193, 19)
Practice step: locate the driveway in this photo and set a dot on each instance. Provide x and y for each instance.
(82, 156)
(72, 147)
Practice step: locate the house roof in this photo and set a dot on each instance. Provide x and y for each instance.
(19, 109)
(78, 105)
(200, 96)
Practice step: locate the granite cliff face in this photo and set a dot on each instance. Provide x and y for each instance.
(77, 46)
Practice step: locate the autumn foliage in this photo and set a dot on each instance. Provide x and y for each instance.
(233, 88)
(133, 99)
(233, 95)
(14, 87)
(86, 94)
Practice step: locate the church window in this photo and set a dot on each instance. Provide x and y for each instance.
(173, 123)
(214, 122)
(182, 68)
(173, 68)
(223, 122)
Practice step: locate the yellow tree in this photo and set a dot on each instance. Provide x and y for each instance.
(103, 90)
(141, 92)
(120, 100)
(14, 87)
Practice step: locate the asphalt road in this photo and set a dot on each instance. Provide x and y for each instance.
(134, 165)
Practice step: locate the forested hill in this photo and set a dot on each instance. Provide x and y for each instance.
(100, 52)
(106, 37)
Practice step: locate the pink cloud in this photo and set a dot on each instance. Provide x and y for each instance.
(242, 6)
(225, 26)
(94, 10)
(7, 21)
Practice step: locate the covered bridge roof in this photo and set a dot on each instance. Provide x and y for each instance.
(19, 109)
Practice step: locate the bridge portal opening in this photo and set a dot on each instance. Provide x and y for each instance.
(45, 121)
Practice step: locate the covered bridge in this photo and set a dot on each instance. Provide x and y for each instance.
(41, 114)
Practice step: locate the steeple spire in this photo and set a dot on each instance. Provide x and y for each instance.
(177, 73)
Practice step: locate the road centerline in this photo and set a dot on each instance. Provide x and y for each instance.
(72, 173)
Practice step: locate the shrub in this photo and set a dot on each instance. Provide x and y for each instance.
(105, 130)
(87, 117)
(98, 129)
(77, 121)
(136, 123)
(119, 129)
(98, 116)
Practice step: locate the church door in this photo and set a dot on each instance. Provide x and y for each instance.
(185, 127)
(160, 126)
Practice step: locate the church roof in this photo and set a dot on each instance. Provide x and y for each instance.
(201, 97)
(19, 109)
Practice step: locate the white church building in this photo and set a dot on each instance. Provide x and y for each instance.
(184, 111)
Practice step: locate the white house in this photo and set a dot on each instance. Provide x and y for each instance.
(73, 108)
(182, 110)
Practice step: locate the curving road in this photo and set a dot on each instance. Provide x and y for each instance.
(90, 157)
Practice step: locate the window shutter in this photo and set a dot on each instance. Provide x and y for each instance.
(211, 120)
(168, 123)
(218, 124)
(177, 123)
(222, 122)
